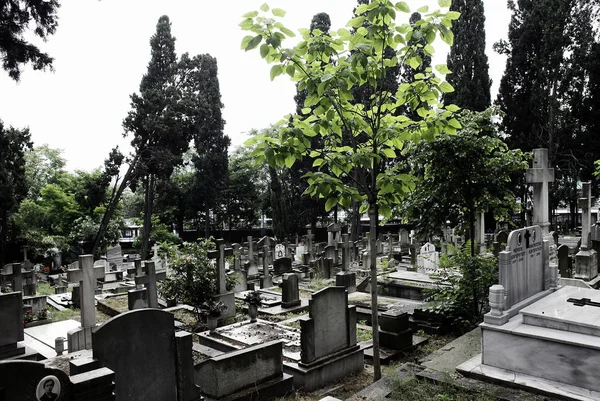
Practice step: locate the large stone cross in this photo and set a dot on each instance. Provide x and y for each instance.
(149, 280)
(346, 252)
(585, 203)
(86, 276)
(220, 255)
(309, 243)
(540, 176)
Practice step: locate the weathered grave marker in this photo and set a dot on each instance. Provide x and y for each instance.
(540, 176)
(586, 260)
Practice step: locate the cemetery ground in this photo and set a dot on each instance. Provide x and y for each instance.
(404, 377)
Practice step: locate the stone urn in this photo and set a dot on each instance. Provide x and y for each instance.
(253, 312)
(211, 323)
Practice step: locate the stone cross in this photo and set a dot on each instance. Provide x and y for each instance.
(155, 249)
(540, 176)
(390, 246)
(220, 255)
(250, 250)
(149, 280)
(86, 275)
(346, 252)
(311, 249)
(236, 257)
(585, 203)
(24, 249)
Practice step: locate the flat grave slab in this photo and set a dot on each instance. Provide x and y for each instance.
(363, 300)
(41, 338)
(246, 334)
(279, 310)
(415, 279)
(269, 298)
(556, 312)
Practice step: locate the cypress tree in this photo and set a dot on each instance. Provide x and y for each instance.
(467, 59)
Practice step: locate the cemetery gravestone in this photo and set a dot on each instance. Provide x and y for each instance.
(149, 280)
(346, 278)
(290, 295)
(29, 381)
(586, 260)
(150, 361)
(564, 261)
(540, 176)
(328, 340)
(428, 259)
(86, 275)
(11, 325)
(282, 265)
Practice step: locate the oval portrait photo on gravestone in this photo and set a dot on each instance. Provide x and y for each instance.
(48, 389)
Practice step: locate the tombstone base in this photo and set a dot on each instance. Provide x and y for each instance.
(266, 282)
(229, 300)
(347, 280)
(317, 374)
(137, 299)
(80, 339)
(60, 289)
(291, 304)
(586, 264)
(11, 351)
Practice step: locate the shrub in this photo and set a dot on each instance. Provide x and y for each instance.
(462, 287)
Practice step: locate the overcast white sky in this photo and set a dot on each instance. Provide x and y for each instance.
(101, 51)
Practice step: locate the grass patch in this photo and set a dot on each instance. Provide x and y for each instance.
(363, 335)
(44, 289)
(415, 389)
(119, 304)
(295, 324)
(317, 284)
(66, 314)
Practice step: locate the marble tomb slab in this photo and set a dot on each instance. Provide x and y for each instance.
(555, 312)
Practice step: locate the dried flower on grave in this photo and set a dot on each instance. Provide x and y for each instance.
(253, 298)
(212, 308)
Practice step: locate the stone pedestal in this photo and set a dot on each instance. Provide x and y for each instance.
(266, 281)
(80, 338)
(347, 280)
(586, 264)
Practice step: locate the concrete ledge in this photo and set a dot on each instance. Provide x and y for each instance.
(473, 368)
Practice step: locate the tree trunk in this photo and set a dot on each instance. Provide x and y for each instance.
(206, 221)
(112, 206)
(148, 203)
(373, 217)
(3, 236)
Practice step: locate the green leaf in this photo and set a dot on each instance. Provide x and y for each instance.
(453, 15)
(251, 14)
(290, 70)
(454, 123)
(276, 70)
(306, 110)
(264, 7)
(446, 87)
(443, 69)
(278, 12)
(331, 202)
(444, 3)
(264, 50)
(246, 24)
(423, 9)
(287, 32)
(364, 208)
(402, 6)
(453, 108)
(253, 42)
(448, 38)
(289, 161)
(318, 162)
(430, 36)
(389, 153)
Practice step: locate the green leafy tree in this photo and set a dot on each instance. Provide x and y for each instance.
(16, 16)
(241, 198)
(477, 179)
(344, 61)
(44, 165)
(14, 144)
(467, 59)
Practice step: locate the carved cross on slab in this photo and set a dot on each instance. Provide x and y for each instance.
(583, 302)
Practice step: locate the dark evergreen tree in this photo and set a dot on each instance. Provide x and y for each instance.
(16, 16)
(467, 59)
(160, 134)
(13, 187)
(203, 96)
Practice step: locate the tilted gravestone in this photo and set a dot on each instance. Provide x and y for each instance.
(151, 362)
(290, 295)
(428, 259)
